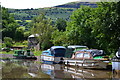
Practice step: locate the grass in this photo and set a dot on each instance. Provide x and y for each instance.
(4, 52)
(28, 20)
(37, 53)
(21, 44)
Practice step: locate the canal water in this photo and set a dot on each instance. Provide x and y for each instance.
(19, 69)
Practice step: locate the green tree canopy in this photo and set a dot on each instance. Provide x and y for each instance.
(60, 24)
(96, 27)
(9, 25)
(43, 28)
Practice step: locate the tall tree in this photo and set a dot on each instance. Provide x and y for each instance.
(9, 25)
(60, 24)
(43, 28)
(96, 27)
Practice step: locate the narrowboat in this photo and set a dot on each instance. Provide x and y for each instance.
(53, 55)
(23, 54)
(92, 58)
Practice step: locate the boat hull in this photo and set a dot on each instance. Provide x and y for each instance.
(25, 57)
(86, 63)
(51, 59)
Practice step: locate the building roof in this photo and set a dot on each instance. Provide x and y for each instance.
(33, 35)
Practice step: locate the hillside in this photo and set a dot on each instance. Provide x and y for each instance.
(53, 13)
(24, 16)
(77, 4)
(60, 11)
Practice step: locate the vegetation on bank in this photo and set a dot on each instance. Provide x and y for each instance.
(97, 28)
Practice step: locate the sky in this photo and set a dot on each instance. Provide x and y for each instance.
(25, 4)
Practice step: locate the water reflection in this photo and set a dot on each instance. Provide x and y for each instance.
(34, 69)
(87, 73)
(55, 71)
(22, 69)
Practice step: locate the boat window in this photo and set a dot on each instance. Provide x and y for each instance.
(19, 52)
(80, 48)
(86, 55)
(79, 55)
(59, 52)
(45, 53)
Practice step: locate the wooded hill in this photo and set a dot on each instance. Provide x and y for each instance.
(61, 11)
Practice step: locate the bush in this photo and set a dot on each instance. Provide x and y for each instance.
(8, 41)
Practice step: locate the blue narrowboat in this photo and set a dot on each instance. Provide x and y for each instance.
(53, 55)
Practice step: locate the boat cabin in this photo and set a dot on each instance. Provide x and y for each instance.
(58, 51)
(55, 54)
(72, 49)
(89, 54)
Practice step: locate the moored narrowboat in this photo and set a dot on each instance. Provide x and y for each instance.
(53, 55)
(23, 54)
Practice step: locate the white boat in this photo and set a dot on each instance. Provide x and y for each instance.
(88, 59)
(53, 55)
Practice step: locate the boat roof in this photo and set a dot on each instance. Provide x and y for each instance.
(55, 47)
(90, 50)
(76, 46)
(46, 51)
(94, 52)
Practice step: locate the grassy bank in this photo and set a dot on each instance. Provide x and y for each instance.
(36, 53)
(5, 52)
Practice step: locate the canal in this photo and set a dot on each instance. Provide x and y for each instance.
(19, 69)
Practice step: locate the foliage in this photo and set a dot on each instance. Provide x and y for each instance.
(37, 53)
(19, 34)
(10, 28)
(8, 24)
(59, 38)
(7, 52)
(60, 24)
(21, 44)
(96, 27)
(8, 41)
(43, 28)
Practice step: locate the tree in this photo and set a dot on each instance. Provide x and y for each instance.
(9, 25)
(8, 41)
(61, 24)
(43, 28)
(19, 34)
(59, 38)
(78, 30)
(96, 27)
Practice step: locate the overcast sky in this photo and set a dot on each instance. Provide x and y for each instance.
(24, 4)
